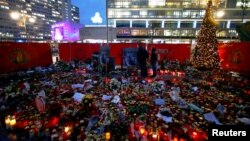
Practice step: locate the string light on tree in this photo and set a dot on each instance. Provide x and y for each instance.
(206, 51)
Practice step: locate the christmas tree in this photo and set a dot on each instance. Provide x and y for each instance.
(206, 51)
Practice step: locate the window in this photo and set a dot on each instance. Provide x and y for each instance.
(139, 24)
(171, 24)
(122, 24)
(234, 24)
(223, 24)
(186, 24)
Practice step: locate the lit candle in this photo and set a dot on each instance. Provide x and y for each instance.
(67, 130)
(154, 136)
(175, 139)
(161, 72)
(13, 121)
(107, 135)
(142, 130)
(7, 121)
(166, 71)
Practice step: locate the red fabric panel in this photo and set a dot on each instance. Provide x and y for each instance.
(235, 57)
(116, 50)
(19, 56)
(81, 51)
(179, 52)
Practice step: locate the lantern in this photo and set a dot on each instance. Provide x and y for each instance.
(107, 136)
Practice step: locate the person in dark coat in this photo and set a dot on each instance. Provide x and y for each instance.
(142, 56)
(153, 61)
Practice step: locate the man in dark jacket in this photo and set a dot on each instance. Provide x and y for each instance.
(142, 56)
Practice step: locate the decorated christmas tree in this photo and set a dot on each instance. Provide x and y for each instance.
(206, 51)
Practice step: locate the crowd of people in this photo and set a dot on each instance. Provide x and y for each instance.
(74, 102)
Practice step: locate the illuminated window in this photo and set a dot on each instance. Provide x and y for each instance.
(167, 32)
(177, 14)
(143, 13)
(175, 33)
(154, 3)
(173, 4)
(186, 14)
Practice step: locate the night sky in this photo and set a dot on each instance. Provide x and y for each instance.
(89, 8)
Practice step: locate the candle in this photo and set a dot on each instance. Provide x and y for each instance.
(107, 136)
(13, 121)
(7, 120)
(154, 136)
(161, 72)
(67, 130)
(142, 130)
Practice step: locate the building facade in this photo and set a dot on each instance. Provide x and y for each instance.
(162, 21)
(75, 14)
(44, 12)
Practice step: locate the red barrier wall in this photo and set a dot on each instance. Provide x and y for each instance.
(179, 52)
(235, 57)
(71, 51)
(116, 51)
(19, 56)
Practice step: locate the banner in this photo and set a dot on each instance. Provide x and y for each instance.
(21, 56)
(235, 57)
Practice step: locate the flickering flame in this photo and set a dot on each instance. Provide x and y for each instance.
(13, 121)
(142, 130)
(7, 120)
(107, 135)
(154, 136)
(66, 129)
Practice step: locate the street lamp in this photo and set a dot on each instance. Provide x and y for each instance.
(23, 17)
(244, 6)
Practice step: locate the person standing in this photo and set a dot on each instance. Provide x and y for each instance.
(153, 60)
(142, 56)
